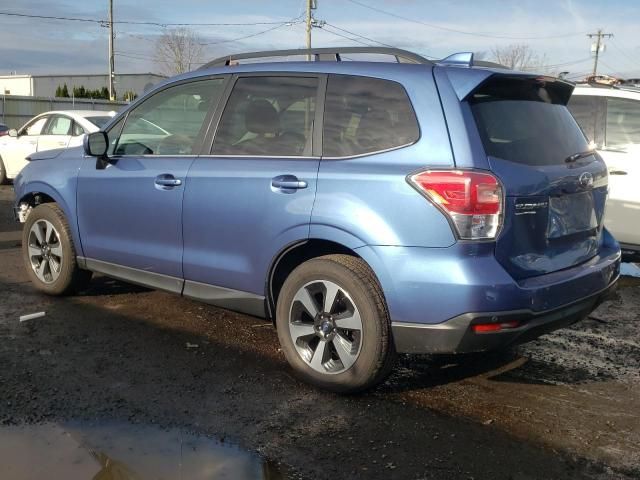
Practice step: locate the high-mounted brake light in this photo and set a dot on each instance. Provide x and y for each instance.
(472, 200)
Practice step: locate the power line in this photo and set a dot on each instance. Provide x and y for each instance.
(556, 65)
(133, 22)
(348, 38)
(360, 36)
(448, 29)
(237, 39)
(635, 62)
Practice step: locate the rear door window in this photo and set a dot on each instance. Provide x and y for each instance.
(623, 122)
(268, 116)
(58, 125)
(526, 121)
(364, 115)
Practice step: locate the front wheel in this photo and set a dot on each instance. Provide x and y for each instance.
(3, 173)
(49, 253)
(333, 324)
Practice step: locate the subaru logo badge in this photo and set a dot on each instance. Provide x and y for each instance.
(586, 180)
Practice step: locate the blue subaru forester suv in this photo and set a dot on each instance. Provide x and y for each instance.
(367, 208)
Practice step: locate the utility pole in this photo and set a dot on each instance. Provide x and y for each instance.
(310, 7)
(112, 93)
(599, 36)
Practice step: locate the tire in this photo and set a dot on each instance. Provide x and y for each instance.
(331, 349)
(3, 173)
(47, 248)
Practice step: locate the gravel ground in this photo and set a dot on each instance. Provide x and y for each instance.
(564, 406)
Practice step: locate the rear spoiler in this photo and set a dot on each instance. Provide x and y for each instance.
(467, 81)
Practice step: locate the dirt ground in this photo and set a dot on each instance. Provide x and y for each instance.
(564, 406)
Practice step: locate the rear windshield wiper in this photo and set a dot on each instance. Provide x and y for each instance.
(578, 156)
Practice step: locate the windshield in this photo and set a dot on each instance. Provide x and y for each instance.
(526, 122)
(99, 122)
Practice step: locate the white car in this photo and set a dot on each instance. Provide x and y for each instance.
(45, 132)
(610, 117)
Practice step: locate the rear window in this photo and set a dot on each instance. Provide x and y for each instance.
(526, 121)
(99, 121)
(364, 115)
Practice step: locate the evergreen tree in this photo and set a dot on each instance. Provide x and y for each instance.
(65, 91)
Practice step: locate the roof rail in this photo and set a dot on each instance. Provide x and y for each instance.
(321, 54)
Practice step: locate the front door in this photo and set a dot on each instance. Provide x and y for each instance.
(130, 212)
(15, 150)
(254, 194)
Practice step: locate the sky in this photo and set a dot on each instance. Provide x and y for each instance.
(554, 29)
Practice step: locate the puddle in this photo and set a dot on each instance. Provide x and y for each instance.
(74, 451)
(630, 269)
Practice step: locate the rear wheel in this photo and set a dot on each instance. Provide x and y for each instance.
(333, 324)
(49, 253)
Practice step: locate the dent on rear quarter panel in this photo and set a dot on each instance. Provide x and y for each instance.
(369, 199)
(57, 178)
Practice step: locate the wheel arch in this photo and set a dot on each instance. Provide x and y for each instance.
(38, 193)
(291, 257)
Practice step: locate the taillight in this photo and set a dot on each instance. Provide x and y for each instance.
(472, 200)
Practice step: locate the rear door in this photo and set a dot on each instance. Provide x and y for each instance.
(621, 153)
(253, 195)
(56, 133)
(556, 187)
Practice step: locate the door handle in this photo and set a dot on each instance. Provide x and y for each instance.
(617, 172)
(288, 182)
(168, 180)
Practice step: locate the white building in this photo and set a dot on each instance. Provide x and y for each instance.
(46, 85)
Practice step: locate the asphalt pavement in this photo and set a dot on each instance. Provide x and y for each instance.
(564, 406)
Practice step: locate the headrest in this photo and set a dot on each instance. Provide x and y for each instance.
(261, 118)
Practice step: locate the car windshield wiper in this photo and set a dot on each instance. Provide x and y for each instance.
(578, 156)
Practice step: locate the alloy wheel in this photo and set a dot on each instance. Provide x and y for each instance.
(325, 327)
(45, 251)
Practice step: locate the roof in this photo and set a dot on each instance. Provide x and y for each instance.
(80, 113)
(60, 75)
(607, 91)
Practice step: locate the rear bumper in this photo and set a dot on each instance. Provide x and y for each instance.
(457, 336)
(436, 295)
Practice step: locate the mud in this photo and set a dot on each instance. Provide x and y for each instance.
(564, 406)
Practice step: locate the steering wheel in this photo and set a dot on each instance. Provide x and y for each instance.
(175, 145)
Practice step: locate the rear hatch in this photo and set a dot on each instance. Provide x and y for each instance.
(555, 184)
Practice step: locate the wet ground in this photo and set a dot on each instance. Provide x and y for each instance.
(120, 451)
(122, 374)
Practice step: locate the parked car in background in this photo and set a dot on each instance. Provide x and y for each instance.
(50, 130)
(610, 117)
(4, 130)
(366, 208)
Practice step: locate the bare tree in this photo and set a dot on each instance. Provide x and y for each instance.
(178, 51)
(518, 57)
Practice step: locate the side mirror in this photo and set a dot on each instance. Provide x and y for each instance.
(13, 132)
(96, 144)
